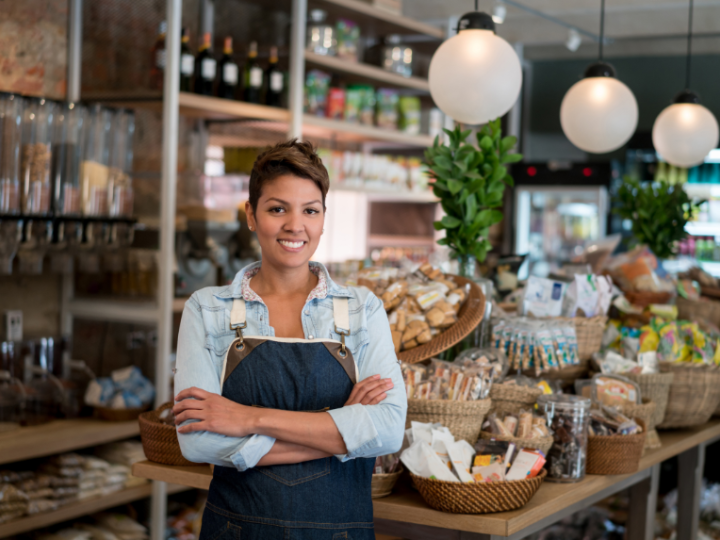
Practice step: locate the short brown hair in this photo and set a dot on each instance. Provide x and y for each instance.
(291, 157)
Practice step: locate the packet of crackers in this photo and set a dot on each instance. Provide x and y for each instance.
(609, 389)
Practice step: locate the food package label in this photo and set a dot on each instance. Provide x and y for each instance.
(543, 297)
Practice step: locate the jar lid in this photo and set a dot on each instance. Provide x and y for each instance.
(565, 401)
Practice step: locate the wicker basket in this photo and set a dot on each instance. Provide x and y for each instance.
(615, 454)
(589, 334)
(694, 394)
(645, 411)
(481, 498)
(463, 418)
(119, 415)
(160, 442)
(511, 398)
(655, 387)
(703, 309)
(469, 316)
(644, 298)
(383, 484)
(538, 443)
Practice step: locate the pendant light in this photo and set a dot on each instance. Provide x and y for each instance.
(599, 113)
(475, 76)
(685, 132)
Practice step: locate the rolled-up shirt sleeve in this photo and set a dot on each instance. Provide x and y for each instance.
(199, 367)
(375, 430)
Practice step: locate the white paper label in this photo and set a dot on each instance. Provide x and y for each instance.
(256, 77)
(276, 81)
(187, 64)
(208, 69)
(160, 56)
(230, 74)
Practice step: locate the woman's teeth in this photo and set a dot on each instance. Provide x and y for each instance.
(292, 245)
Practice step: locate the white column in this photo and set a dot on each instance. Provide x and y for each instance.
(297, 67)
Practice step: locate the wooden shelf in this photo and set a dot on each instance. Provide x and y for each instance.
(326, 128)
(388, 240)
(61, 436)
(196, 476)
(367, 72)
(81, 508)
(374, 21)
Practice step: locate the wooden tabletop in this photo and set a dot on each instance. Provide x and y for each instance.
(406, 505)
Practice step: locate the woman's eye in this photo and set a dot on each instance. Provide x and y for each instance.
(312, 211)
(277, 209)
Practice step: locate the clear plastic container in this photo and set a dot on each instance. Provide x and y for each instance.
(121, 156)
(11, 110)
(66, 154)
(94, 170)
(568, 417)
(320, 35)
(35, 159)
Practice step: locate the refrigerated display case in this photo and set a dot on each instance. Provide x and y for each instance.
(554, 223)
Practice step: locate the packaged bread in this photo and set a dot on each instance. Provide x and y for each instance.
(614, 390)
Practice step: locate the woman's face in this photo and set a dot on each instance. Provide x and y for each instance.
(289, 220)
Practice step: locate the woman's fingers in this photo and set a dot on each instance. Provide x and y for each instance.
(363, 391)
(188, 404)
(189, 415)
(192, 392)
(371, 387)
(358, 388)
(378, 399)
(369, 398)
(194, 426)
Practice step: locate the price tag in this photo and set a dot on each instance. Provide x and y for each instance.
(160, 56)
(276, 81)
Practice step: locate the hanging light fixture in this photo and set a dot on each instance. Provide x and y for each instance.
(685, 132)
(475, 76)
(599, 113)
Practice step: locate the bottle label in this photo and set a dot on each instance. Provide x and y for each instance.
(160, 56)
(276, 82)
(187, 64)
(256, 76)
(208, 69)
(230, 74)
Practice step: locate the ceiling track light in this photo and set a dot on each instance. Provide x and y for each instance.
(685, 132)
(499, 13)
(574, 40)
(599, 113)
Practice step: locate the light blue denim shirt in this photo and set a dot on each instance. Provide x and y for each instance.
(205, 335)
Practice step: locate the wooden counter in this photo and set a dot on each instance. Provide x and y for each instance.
(406, 506)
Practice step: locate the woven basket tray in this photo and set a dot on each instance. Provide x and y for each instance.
(703, 309)
(383, 484)
(119, 415)
(538, 443)
(645, 412)
(589, 334)
(484, 498)
(160, 442)
(655, 387)
(511, 398)
(694, 394)
(616, 454)
(645, 298)
(463, 418)
(469, 316)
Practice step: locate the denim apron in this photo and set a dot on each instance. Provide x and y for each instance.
(322, 499)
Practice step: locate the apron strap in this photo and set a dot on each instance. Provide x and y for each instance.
(341, 314)
(238, 317)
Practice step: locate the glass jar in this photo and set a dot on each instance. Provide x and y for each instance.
(320, 35)
(11, 111)
(121, 156)
(66, 154)
(11, 402)
(37, 132)
(94, 170)
(568, 417)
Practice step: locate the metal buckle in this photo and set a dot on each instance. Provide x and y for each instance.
(343, 333)
(238, 331)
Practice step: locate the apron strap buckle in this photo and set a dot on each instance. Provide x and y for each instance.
(343, 333)
(239, 329)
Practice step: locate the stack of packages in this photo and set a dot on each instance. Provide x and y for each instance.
(637, 273)
(105, 526)
(126, 388)
(420, 304)
(60, 480)
(606, 421)
(458, 381)
(522, 426)
(583, 295)
(434, 453)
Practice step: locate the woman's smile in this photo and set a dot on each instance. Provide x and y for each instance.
(293, 246)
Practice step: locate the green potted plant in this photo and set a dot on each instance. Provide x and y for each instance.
(658, 211)
(470, 181)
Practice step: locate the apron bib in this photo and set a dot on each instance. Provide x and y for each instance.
(319, 499)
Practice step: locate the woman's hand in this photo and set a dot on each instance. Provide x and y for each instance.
(370, 391)
(214, 412)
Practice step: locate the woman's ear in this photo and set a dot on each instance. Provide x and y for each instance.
(250, 216)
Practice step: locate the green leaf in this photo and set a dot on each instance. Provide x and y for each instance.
(454, 186)
(474, 175)
(507, 143)
(438, 225)
(444, 162)
(486, 143)
(499, 173)
(511, 158)
(450, 222)
(442, 242)
(508, 180)
(470, 208)
(460, 165)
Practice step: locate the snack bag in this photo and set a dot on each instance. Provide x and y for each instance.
(543, 297)
(582, 297)
(669, 347)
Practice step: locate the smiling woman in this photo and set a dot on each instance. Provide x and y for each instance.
(279, 382)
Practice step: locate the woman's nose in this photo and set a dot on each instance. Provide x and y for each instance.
(294, 223)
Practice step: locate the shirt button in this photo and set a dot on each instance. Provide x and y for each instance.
(307, 312)
(311, 336)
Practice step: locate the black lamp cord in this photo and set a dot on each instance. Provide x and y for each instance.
(476, 6)
(602, 29)
(689, 47)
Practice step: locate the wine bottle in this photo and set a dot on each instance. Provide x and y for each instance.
(205, 68)
(227, 72)
(187, 62)
(253, 75)
(158, 56)
(274, 80)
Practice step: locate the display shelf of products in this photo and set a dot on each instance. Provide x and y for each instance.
(82, 508)
(703, 228)
(137, 311)
(61, 436)
(366, 72)
(327, 128)
(379, 20)
(406, 505)
(383, 240)
(702, 191)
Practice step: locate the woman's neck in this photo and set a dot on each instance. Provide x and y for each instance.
(271, 281)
